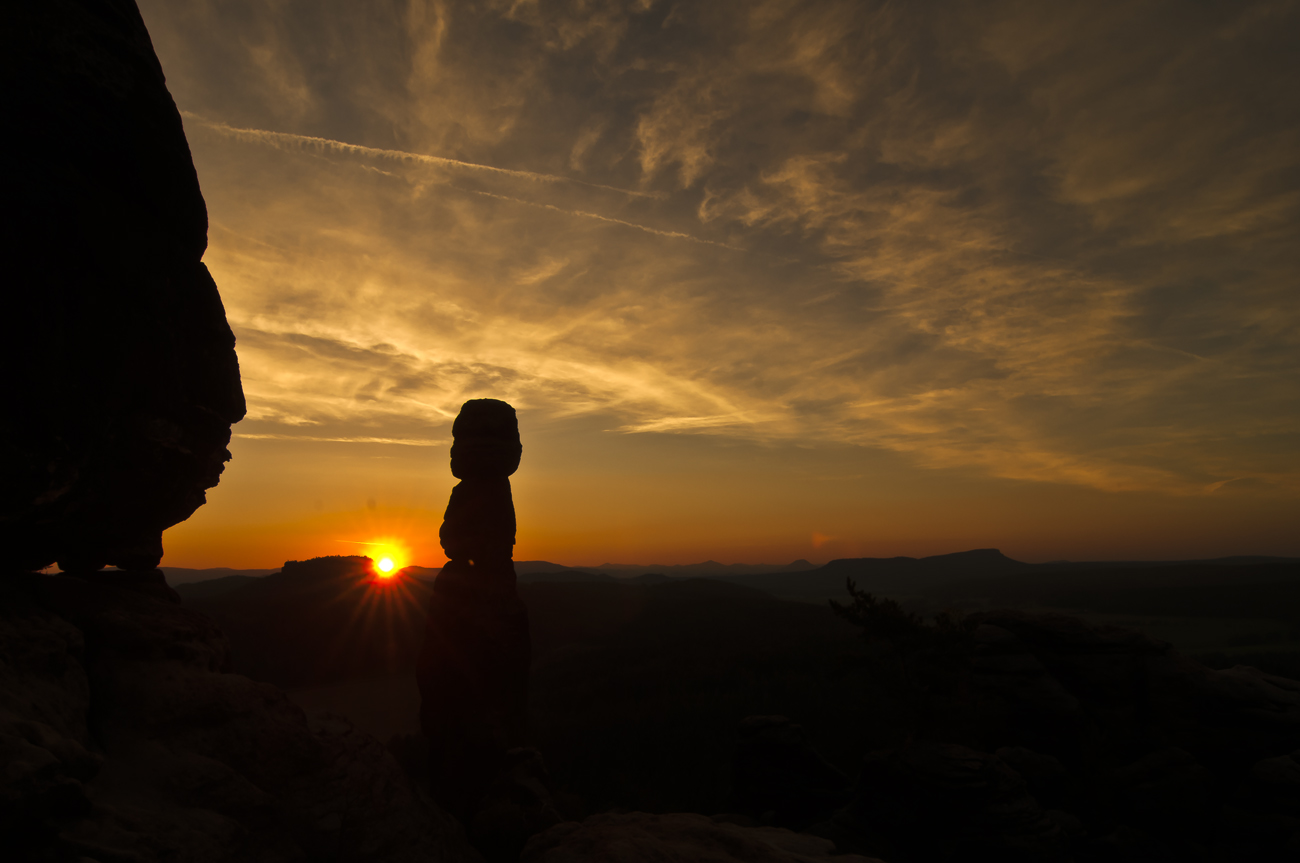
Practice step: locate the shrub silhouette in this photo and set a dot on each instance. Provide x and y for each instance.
(922, 665)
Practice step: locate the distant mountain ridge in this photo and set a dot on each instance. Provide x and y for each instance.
(184, 575)
(797, 580)
(881, 574)
(707, 569)
(910, 575)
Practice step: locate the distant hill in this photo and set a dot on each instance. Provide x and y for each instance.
(221, 580)
(182, 575)
(1211, 589)
(990, 571)
(562, 575)
(707, 569)
(213, 587)
(542, 567)
(888, 575)
(525, 569)
(649, 578)
(424, 573)
(1235, 560)
(802, 581)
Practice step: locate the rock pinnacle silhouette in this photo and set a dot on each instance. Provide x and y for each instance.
(473, 670)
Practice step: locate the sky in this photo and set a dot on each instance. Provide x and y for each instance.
(764, 280)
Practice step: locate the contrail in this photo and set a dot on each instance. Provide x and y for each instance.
(286, 140)
(676, 235)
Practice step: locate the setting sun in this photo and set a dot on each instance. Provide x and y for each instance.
(388, 555)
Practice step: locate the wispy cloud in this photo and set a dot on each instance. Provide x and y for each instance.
(1049, 243)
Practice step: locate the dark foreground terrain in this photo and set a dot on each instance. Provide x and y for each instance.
(1014, 734)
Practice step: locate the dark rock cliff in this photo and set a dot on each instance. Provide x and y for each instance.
(123, 736)
(121, 375)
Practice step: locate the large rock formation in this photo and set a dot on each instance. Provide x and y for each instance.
(123, 380)
(473, 669)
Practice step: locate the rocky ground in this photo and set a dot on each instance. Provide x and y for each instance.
(126, 739)
(1079, 743)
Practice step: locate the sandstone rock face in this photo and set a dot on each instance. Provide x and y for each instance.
(473, 668)
(123, 739)
(640, 837)
(123, 375)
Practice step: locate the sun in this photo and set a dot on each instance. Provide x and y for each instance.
(389, 556)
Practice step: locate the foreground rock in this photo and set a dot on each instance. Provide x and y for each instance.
(639, 837)
(124, 739)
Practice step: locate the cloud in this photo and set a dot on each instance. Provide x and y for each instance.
(1052, 243)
